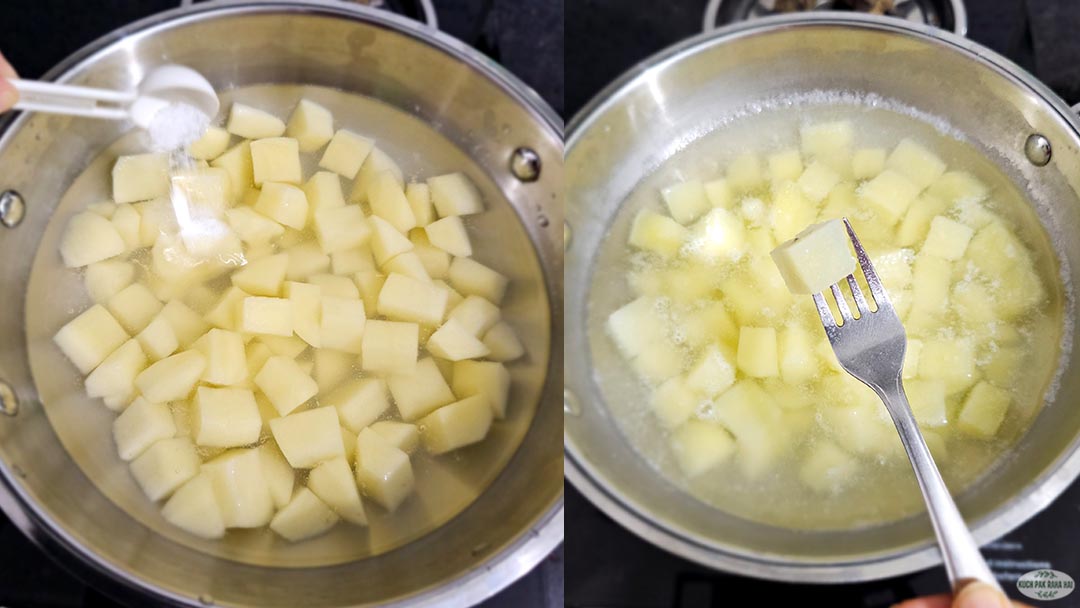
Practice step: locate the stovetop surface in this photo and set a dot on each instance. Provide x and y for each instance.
(35, 35)
(607, 566)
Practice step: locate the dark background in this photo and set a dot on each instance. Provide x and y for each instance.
(608, 567)
(525, 36)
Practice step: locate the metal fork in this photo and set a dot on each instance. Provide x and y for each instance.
(871, 348)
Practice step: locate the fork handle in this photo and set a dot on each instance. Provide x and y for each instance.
(963, 562)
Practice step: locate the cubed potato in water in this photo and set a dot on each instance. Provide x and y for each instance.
(335, 286)
(449, 234)
(660, 362)
(306, 307)
(473, 278)
(950, 360)
(172, 378)
(911, 358)
(115, 377)
(266, 316)
(126, 221)
(158, 339)
(376, 163)
(140, 426)
(419, 197)
(331, 368)
(211, 145)
(786, 165)
(342, 324)
(252, 123)
(236, 161)
(674, 402)
(283, 381)
(311, 125)
(453, 342)
(947, 239)
(983, 410)
(226, 360)
(403, 436)
(89, 238)
(389, 346)
(927, 400)
(816, 258)
(186, 323)
(351, 261)
(791, 211)
(406, 299)
(225, 417)
(383, 472)
(658, 233)
(861, 428)
(745, 173)
(475, 314)
(334, 484)
(713, 373)
(719, 235)
(757, 356)
(252, 227)
(305, 260)
(262, 277)
(310, 437)
(323, 191)
(341, 228)
(686, 201)
(106, 278)
(386, 241)
(140, 177)
(409, 264)
(701, 446)
(915, 162)
(279, 476)
(346, 152)
(798, 362)
(386, 196)
(420, 392)
(283, 203)
(194, 508)
(164, 466)
(276, 159)
(455, 194)
(710, 322)
(489, 379)
(817, 181)
(456, 425)
(995, 250)
(226, 312)
(931, 279)
(866, 163)
(304, 517)
(890, 194)
(241, 488)
(827, 468)
(359, 402)
(955, 186)
(752, 417)
(828, 140)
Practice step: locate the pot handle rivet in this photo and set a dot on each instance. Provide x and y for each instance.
(1037, 149)
(9, 402)
(525, 164)
(571, 405)
(12, 208)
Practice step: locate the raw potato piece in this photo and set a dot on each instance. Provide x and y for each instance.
(455, 194)
(345, 153)
(335, 286)
(285, 384)
(867, 163)
(369, 283)
(194, 508)
(114, 379)
(403, 436)
(421, 392)
(476, 315)
(158, 340)
(186, 323)
(308, 438)
(657, 233)
(211, 145)
(225, 417)
(105, 279)
(817, 181)
(341, 228)
(377, 163)
(453, 342)
(311, 125)
(783, 166)
(305, 260)
(419, 197)
(90, 337)
(262, 277)
(89, 238)
(502, 343)
(140, 425)
(383, 472)
(236, 161)
(252, 123)
(172, 378)
(456, 425)
(386, 241)
(408, 264)
(473, 278)
(304, 517)
(241, 488)
(927, 401)
(359, 402)
(745, 173)
(164, 466)
(267, 316)
(487, 378)
(816, 258)
(323, 191)
(827, 468)
(890, 194)
(947, 239)
(126, 220)
(283, 203)
(983, 410)
(279, 476)
(226, 313)
(406, 299)
(140, 177)
(700, 446)
(757, 352)
(916, 163)
(226, 360)
(388, 201)
(331, 368)
(390, 346)
(686, 201)
(306, 302)
(718, 235)
(449, 234)
(342, 324)
(334, 484)
(712, 374)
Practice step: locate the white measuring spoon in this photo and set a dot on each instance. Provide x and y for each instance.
(162, 86)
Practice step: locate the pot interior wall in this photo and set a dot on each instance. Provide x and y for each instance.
(696, 89)
(465, 117)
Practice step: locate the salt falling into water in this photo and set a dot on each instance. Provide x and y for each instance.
(176, 126)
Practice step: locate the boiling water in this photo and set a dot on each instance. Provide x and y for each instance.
(884, 488)
(445, 485)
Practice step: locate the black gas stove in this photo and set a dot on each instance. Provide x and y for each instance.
(607, 566)
(525, 37)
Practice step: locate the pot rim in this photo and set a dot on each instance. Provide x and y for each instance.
(1002, 520)
(500, 569)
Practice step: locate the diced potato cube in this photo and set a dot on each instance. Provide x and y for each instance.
(211, 145)
(476, 315)
(866, 163)
(983, 410)
(341, 228)
(158, 339)
(140, 425)
(331, 368)
(421, 391)
(456, 425)
(402, 435)
(126, 222)
(140, 177)
(956, 186)
(105, 279)
(449, 234)
(911, 358)
(791, 211)
(89, 238)
(342, 324)
(186, 323)
(673, 402)
(203, 192)
(827, 468)
(334, 484)
(352, 261)
(262, 277)
(286, 385)
(408, 264)
(947, 239)
(502, 343)
(253, 123)
(455, 194)
(225, 417)
(359, 402)
(637, 326)
(931, 279)
(406, 299)
(271, 316)
(369, 284)
(916, 163)
(719, 193)
(390, 346)
(828, 140)
(685, 201)
(712, 374)
(306, 307)
(745, 173)
(473, 278)
(305, 260)
(283, 203)
(311, 125)
(951, 360)
(164, 466)
(701, 446)
(798, 361)
(345, 153)
(115, 377)
(707, 324)
(252, 227)
(657, 233)
(717, 236)
(757, 352)
(172, 378)
(454, 342)
(323, 191)
(785, 165)
(485, 378)
(226, 312)
(817, 181)
(890, 193)
(279, 476)
(927, 401)
(377, 163)
(335, 286)
(310, 437)
(304, 517)
(386, 241)
(236, 161)
(90, 337)
(419, 197)
(194, 509)
(388, 201)
(241, 488)
(657, 364)
(752, 417)
(435, 261)
(816, 258)
(383, 472)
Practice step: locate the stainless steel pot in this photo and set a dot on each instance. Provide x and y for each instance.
(451, 105)
(673, 99)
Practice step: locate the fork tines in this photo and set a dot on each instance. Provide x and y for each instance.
(880, 297)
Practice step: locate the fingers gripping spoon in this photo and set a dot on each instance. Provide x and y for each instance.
(871, 347)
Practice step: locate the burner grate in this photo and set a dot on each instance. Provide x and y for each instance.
(946, 14)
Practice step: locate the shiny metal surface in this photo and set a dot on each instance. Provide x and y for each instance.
(1037, 149)
(681, 94)
(470, 102)
(12, 208)
(525, 164)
